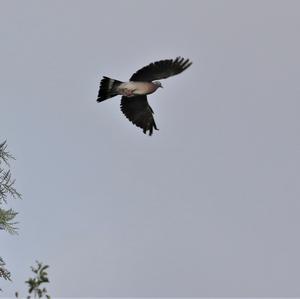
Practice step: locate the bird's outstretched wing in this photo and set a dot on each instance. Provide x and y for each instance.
(139, 112)
(161, 69)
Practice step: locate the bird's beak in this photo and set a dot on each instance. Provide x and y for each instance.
(161, 86)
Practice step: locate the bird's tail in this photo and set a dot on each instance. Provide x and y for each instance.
(108, 89)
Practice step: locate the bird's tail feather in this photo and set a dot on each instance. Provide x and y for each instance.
(108, 89)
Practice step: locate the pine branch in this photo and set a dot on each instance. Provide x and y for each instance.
(4, 273)
(6, 223)
(4, 154)
(7, 186)
(7, 190)
(34, 284)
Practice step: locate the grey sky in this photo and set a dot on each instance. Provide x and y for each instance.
(207, 206)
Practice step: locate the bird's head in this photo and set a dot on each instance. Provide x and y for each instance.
(158, 84)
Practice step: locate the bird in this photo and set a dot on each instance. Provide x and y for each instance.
(145, 81)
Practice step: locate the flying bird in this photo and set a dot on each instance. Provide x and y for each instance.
(134, 93)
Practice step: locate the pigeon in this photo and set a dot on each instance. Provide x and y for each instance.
(134, 93)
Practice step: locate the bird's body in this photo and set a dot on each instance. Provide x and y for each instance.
(131, 88)
(134, 93)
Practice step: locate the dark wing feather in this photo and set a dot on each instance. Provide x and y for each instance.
(161, 69)
(138, 111)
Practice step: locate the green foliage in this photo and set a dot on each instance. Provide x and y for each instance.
(3, 272)
(6, 217)
(6, 182)
(7, 191)
(35, 287)
(4, 154)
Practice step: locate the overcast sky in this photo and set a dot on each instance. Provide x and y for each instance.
(207, 206)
